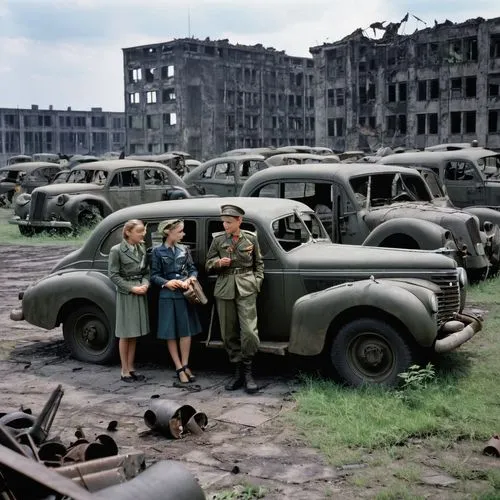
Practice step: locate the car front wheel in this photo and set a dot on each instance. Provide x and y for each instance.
(370, 351)
(88, 335)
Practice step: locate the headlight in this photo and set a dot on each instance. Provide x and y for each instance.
(462, 277)
(433, 302)
(62, 199)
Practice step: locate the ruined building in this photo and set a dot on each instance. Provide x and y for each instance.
(208, 96)
(27, 131)
(439, 84)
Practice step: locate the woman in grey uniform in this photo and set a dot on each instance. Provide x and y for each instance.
(172, 269)
(128, 270)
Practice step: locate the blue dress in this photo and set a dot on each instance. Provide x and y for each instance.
(176, 316)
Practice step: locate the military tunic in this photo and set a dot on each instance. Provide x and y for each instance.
(236, 291)
(127, 269)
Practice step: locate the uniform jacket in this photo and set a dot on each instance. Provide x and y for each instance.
(127, 270)
(241, 257)
(169, 264)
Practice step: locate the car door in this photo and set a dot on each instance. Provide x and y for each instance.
(222, 181)
(124, 188)
(245, 169)
(156, 182)
(463, 182)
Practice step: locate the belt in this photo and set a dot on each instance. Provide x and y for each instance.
(238, 270)
(134, 277)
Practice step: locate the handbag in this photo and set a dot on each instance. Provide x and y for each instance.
(195, 294)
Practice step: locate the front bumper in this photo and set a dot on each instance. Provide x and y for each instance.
(471, 325)
(39, 223)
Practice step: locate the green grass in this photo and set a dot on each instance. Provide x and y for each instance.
(10, 235)
(459, 403)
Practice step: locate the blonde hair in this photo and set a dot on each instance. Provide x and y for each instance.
(129, 225)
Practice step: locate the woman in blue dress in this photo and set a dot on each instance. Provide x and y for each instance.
(172, 269)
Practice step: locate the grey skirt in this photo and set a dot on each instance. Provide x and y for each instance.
(177, 318)
(132, 317)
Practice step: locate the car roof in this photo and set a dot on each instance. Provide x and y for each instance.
(325, 171)
(275, 159)
(437, 156)
(208, 207)
(29, 166)
(115, 164)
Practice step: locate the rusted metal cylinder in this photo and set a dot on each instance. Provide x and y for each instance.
(166, 480)
(492, 447)
(168, 417)
(18, 420)
(82, 450)
(197, 423)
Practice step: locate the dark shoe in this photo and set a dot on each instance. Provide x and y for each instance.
(127, 378)
(138, 377)
(190, 376)
(237, 380)
(250, 385)
(178, 372)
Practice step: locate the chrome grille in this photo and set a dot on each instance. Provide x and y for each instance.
(37, 205)
(449, 297)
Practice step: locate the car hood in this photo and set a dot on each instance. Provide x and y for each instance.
(440, 215)
(373, 260)
(71, 188)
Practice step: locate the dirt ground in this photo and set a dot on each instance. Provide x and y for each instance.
(243, 430)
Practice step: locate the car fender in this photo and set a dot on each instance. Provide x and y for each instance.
(484, 214)
(407, 302)
(44, 300)
(428, 235)
(70, 208)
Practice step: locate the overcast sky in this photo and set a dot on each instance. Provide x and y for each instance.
(68, 52)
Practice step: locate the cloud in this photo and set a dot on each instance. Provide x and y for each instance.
(68, 52)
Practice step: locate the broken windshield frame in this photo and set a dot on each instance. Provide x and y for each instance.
(299, 228)
(78, 176)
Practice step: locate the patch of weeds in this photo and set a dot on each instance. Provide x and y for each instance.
(241, 492)
(494, 478)
(399, 492)
(461, 471)
(414, 383)
(410, 473)
(359, 481)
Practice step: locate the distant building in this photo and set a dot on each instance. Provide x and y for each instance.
(205, 97)
(27, 131)
(439, 84)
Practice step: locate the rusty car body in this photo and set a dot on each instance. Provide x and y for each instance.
(375, 205)
(370, 312)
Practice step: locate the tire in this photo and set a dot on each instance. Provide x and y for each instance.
(26, 230)
(88, 216)
(358, 339)
(88, 335)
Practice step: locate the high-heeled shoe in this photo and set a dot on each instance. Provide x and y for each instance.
(178, 372)
(190, 376)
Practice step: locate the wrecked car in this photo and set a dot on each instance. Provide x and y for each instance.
(24, 177)
(299, 158)
(93, 191)
(374, 205)
(369, 312)
(224, 176)
(174, 160)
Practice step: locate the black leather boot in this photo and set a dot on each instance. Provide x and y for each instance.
(237, 380)
(250, 385)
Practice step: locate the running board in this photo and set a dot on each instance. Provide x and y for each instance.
(279, 348)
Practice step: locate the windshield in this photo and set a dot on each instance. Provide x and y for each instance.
(489, 166)
(298, 229)
(80, 176)
(383, 189)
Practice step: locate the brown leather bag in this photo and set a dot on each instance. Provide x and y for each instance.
(195, 294)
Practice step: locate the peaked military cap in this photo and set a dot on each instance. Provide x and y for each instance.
(231, 210)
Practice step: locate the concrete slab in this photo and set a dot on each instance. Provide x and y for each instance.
(249, 415)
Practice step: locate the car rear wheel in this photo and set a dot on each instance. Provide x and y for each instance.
(88, 335)
(370, 351)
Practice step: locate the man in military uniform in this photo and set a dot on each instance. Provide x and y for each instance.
(235, 256)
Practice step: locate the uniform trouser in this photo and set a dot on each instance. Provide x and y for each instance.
(241, 343)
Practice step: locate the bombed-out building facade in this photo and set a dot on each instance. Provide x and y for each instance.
(209, 96)
(66, 131)
(439, 84)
